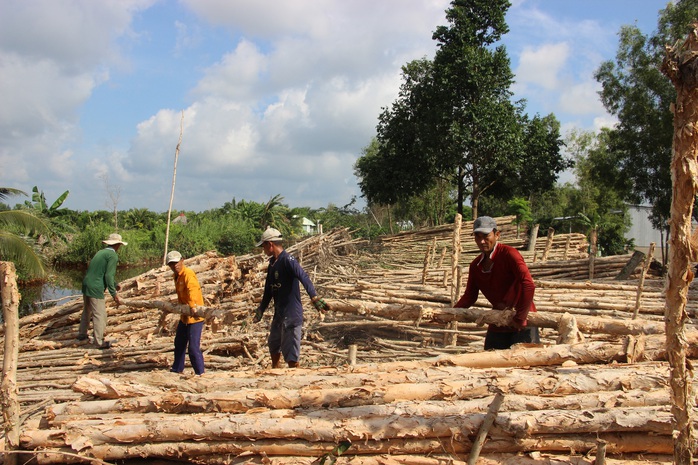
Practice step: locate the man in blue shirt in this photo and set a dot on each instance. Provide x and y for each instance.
(284, 276)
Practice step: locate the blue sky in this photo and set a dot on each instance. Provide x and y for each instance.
(278, 96)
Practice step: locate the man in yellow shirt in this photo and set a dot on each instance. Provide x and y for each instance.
(190, 327)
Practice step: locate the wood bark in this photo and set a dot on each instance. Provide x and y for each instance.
(643, 275)
(681, 66)
(312, 397)
(402, 420)
(9, 296)
(455, 259)
(291, 451)
(402, 370)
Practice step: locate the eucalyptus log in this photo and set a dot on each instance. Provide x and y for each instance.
(375, 452)
(479, 315)
(363, 381)
(311, 397)
(680, 65)
(9, 298)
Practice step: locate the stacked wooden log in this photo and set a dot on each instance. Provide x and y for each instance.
(410, 247)
(417, 391)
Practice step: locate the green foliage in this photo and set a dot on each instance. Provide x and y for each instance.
(56, 218)
(599, 199)
(39, 202)
(140, 218)
(453, 122)
(433, 207)
(522, 209)
(539, 165)
(331, 457)
(19, 231)
(86, 243)
(636, 92)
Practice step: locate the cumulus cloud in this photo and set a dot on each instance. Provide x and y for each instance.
(278, 97)
(582, 98)
(541, 65)
(52, 57)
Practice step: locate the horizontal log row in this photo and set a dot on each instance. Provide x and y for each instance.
(420, 388)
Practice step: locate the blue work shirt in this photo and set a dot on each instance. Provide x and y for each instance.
(283, 277)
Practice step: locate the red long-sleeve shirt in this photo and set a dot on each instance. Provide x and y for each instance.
(508, 284)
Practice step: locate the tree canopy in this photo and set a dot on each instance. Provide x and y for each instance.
(454, 121)
(636, 92)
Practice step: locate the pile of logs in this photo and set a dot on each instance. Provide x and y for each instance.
(408, 247)
(393, 375)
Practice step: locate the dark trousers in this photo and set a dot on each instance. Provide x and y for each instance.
(188, 335)
(285, 339)
(504, 340)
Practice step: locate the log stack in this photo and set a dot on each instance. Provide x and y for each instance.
(418, 392)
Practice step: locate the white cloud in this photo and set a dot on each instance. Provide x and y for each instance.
(582, 99)
(541, 65)
(278, 97)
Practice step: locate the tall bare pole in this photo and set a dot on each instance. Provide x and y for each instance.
(681, 66)
(174, 178)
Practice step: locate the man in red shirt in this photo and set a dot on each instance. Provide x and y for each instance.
(502, 276)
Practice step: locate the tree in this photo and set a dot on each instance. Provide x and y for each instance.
(477, 131)
(17, 229)
(274, 215)
(541, 160)
(681, 67)
(636, 92)
(454, 120)
(114, 194)
(399, 162)
(522, 209)
(601, 188)
(56, 217)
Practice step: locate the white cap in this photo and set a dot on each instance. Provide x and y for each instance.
(270, 235)
(173, 257)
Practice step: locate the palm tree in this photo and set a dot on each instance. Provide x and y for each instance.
(274, 216)
(18, 247)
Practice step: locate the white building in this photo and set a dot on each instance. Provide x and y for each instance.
(308, 226)
(642, 231)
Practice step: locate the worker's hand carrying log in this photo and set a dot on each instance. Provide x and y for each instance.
(320, 304)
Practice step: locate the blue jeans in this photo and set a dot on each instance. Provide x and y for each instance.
(188, 335)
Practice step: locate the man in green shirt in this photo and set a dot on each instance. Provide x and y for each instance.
(99, 278)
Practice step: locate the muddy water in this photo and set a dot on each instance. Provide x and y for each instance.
(63, 285)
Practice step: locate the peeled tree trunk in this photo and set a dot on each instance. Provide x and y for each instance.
(681, 66)
(483, 315)
(404, 421)
(9, 297)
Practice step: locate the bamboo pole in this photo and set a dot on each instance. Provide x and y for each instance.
(174, 178)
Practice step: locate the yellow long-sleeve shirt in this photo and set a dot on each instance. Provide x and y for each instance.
(189, 292)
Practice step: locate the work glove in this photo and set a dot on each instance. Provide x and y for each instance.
(257, 315)
(320, 304)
